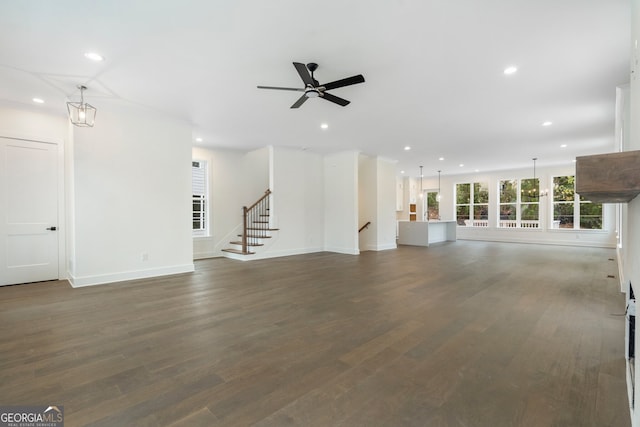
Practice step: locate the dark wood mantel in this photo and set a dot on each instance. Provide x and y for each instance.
(609, 178)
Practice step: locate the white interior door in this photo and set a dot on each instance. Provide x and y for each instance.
(29, 211)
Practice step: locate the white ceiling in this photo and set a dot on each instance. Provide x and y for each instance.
(433, 70)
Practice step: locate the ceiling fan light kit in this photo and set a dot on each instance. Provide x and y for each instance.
(313, 89)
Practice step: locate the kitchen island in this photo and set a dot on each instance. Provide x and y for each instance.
(423, 233)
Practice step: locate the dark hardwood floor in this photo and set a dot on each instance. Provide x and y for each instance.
(457, 334)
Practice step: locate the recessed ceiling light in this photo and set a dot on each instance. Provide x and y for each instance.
(198, 139)
(563, 146)
(38, 100)
(574, 160)
(94, 56)
(510, 70)
(461, 165)
(547, 123)
(401, 171)
(407, 148)
(477, 170)
(324, 126)
(441, 158)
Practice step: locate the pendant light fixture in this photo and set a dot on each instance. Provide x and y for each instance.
(438, 197)
(534, 176)
(81, 114)
(535, 191)
(421, 194)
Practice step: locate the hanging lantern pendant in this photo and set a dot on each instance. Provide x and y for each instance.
(81, 114)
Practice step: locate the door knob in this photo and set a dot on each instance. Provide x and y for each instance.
(52, 228)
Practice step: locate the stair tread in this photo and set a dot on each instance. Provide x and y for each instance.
(248, 244)
(236, 251)
(262, 229)
(253, 236)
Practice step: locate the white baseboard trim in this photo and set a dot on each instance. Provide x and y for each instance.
(208, 254)
(347, 251)
(273, 254)
(579, 243)
(102, 279)
(384, 247)
(623, 280)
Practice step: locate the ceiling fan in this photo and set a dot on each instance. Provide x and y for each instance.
(313, 89)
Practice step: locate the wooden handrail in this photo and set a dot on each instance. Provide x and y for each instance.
(253, 220)
(365, 226)
(266, 194)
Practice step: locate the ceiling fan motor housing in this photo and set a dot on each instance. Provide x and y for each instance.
(312, 92)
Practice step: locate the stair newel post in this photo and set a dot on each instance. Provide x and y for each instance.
(245, 219)
(256, 226)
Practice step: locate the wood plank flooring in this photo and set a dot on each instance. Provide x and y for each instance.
(457, 334)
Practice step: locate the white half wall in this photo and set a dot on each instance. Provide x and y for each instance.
(132, 196)
(341, 202)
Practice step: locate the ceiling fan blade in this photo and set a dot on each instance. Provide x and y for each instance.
(281, 88)
(300, 101)
(335, 99)
(344, 82)
(304, 73)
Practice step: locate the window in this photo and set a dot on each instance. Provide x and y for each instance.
(480, 204)
(519, 203)
(463, 203)
(200, 199)
(433, 205)
(530, 203)
(472, 204)
(567, 207)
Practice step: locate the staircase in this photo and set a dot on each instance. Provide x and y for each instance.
(255, 230)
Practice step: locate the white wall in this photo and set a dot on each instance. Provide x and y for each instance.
(341, 202)
(132, 186)
(226, 198)
(254, 175)
(545, 235)
(17, 122)
(298, 202)
(630, 251)
(385, 204)
(376, 203)
(367, 202)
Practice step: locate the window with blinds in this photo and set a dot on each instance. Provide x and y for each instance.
(200, 199)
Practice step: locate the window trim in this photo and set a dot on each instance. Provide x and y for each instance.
(518, 223)
(202, 195)
(472, 221)
(577, 202)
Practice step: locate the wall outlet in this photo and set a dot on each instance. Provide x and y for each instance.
(144, 256)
